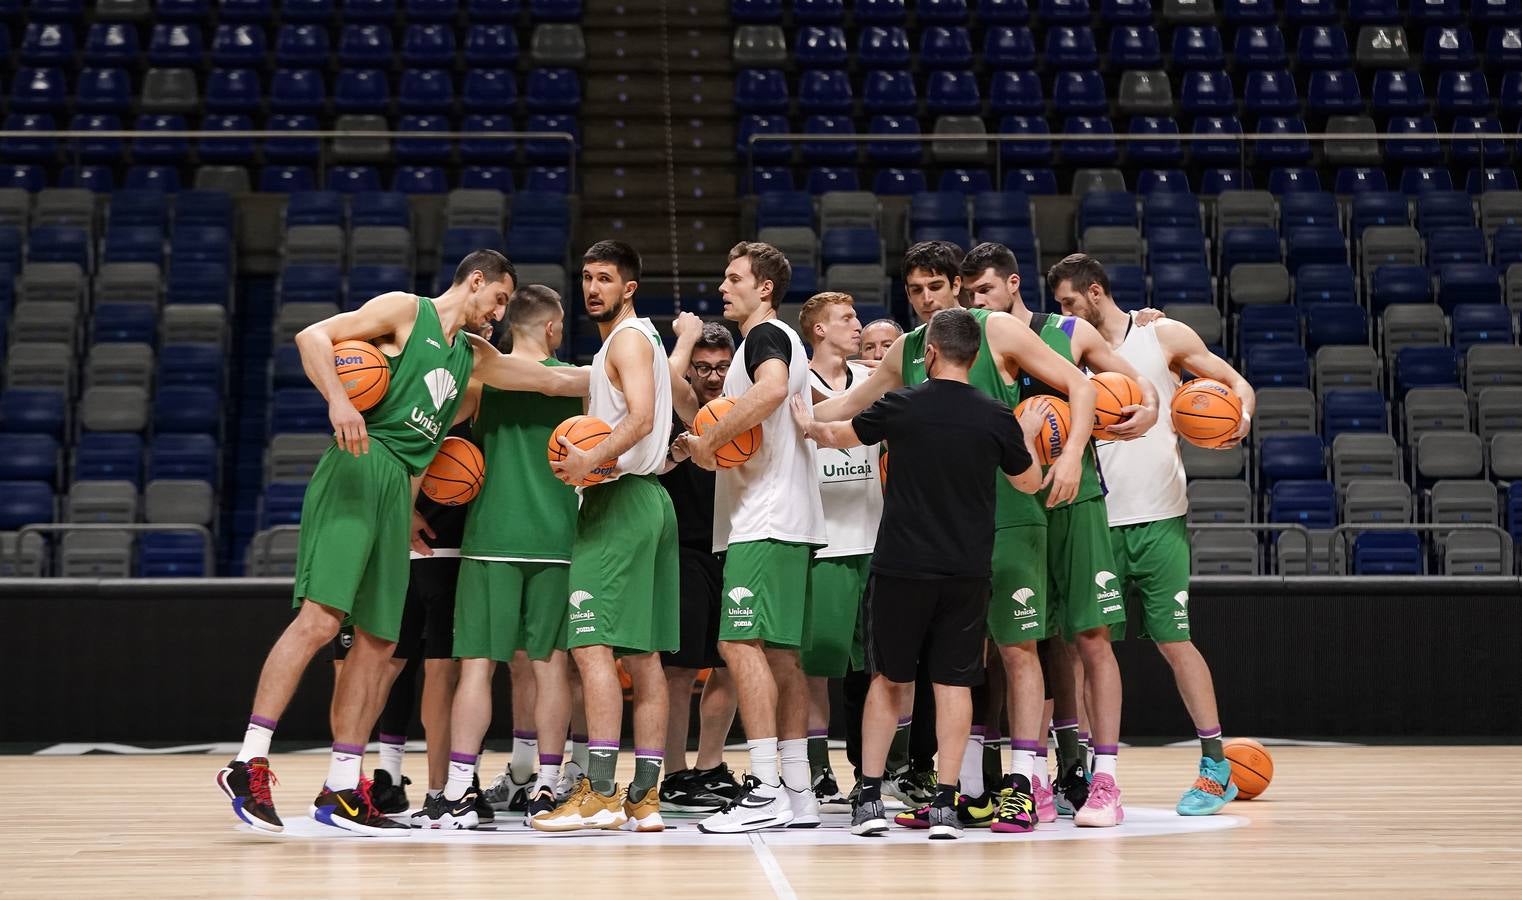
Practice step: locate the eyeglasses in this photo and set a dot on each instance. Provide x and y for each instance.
(703, 370)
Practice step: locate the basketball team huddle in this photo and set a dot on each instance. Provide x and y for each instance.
(733, 509)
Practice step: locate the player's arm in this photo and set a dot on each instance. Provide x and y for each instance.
(629, 360)
(470, 403)
(767, 392)
(834, 435)
(688, 328)
(1023, 350)
(420, 524)
(1186, 351)
(514, 373)
(1095, 354)
(387, 314)
(888, 376)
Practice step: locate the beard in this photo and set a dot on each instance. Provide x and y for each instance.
(609, 313)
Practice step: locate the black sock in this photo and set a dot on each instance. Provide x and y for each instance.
(871, 789)
(945, 795)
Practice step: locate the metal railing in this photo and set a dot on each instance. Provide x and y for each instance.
(1341, 532)
(208, 553)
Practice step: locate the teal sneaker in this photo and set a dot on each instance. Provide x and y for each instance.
(1211, 791)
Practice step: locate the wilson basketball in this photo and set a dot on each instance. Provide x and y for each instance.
(455, 475)
(1251, 767)
(882, 469)
(1206, 412)
(364, 372)
(585, 432)
(1114, 391)
(1055, 433)
(737, 451)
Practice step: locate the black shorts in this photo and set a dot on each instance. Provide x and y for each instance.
(943, 621)
(427, 630)
(702, 579)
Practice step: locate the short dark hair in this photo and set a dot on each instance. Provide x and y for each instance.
(955, 334)
(935, 257)
(491, 263)
(715, 337)
(620, 254)
(767, 263)
(532, 304)
(987, 256)
(891, 323)
(1082, 270)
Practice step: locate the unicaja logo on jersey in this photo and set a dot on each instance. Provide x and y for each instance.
(1106, 592)
(441, 389)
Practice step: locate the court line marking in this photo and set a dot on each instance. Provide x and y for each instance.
(769, 865)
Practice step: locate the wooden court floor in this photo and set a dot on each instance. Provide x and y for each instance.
(1420, 822)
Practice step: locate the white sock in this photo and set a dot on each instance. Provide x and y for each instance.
(525, 755)
(1023, 762)
(391, 760)
(763, 760)
(256, 741)
(343, 767)
(972, 766)
(462, 771)
(795, 764)
(549, 776)
(437, 793)
(1104, 764)
(1043, 773)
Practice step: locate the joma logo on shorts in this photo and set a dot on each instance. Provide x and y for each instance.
(1027, 625)
(1110, 609)
(586, 629)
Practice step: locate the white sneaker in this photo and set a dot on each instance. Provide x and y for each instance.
(757, 806)
(805, 807)
(507, 795)
(570, 775)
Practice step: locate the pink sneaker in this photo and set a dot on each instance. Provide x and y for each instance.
(1046, 805)
(1102, 809)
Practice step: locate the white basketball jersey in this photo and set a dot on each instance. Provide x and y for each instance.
(774, 495)
(607, 402)
(849, 485)
(1145, 477)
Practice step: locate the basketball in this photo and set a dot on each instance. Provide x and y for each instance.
(454, 477)
(1055, 434)
(737, 451)
(364, 371)
(1206, 413)
(585, 432)
(882, 469)
(1251, 767)
(1114, 391)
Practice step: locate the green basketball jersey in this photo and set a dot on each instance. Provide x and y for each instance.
(427, 382)
(523, 512)
(1057, 332)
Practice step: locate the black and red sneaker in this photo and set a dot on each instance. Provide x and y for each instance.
(353, 810)
(247, 785)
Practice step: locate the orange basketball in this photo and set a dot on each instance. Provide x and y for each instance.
(1251, 767)
(1055, 433)
(1114, 392)
(737, 451)
(454, 477)
(585, 432)
(882, 469)
(1206, 412)
(364, 371)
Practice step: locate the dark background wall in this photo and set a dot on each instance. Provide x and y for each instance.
(176, 661)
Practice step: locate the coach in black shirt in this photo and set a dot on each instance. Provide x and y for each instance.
(928, 592)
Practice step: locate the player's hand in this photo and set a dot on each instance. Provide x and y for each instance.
(1063, 478)
(687, 327)
(1149, 315)
(419, 528)
(1033, 419)
(1138, 419)
(1240, 434)
(348, 427)
(700, 453)
(801, 414)
(869, 363)
(578, 463)
(678, 452)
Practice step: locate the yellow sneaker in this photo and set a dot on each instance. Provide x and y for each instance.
(646, 814)
(584, 809)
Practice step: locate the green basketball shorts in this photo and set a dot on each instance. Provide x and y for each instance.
(1081, 570)
(625, 569)
(831, 641)
(1017, 610)
(1152, 560)
(502, 607)
(766, 593)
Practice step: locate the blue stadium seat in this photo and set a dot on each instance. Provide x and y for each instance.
(432, 10)
(952, 93)
(819, 12)
(1503, 48)
(1400, 284)
(1308, 208)
(849, 245)
(892, 12)
(882, 92)
(225, 150)
(938, 208)
(507, 10)
(1001, 208)
(1248, 12)
(785, 210)
(171, 554)
(190, 364)
(1506, 246)
(1290, 456)
(281, 504)
(48, 44)
(966, 181)
(1008, 47)
(298, 410)
(1323, 47)
(33, 411)
(1444, 209)
(1423, 180)
(1406, 144)
(301, 46)
(1270, 92)
(176, 45)
(1207, 92)
(153, 178)
(380, 208)
(60, 243)
(1314, 244)
(939, 12)
(109, 456)
(824, 179)
(537, 244)
(29, 457)
(369, 10)
(1175, 244)
(1278, 365)
(1260, 47)
(426, 90)
(111, 44)
(1449, 246)
(1181, 283)
(1128, 285)
(1308, 502)
(1397, 92)
(197, 282)
(1353, 410)
(1462, 92)
(297, 91)
(1334, 323)
(959, 236)
(1016, 92)
(1481, 323)
(880, 47)
(245, 10)
(1334, 92)
(485, 149)
(1031, 181)
(1100, 208)
(825, 91)
(1161, 152)
(1224, 151)
(549, 179)
(829, 152)
(310, 283)
(189, 456)
(1425, 367)
(1448, 48)
(40, 150)
(125, 323)
(1248, 245)
(944, 47)
(370, 281)
(1376, 208)
(491, 91)
(1387, 553)
(1468, 283)
(763, 151)
(419, 180)
(764, 179)
(422, 150)
(134, 243)
(361, 90)
(314, 208)
(137, 208)
(1198, 47)
(182, 10)
(1101, 151)
(1358, 180)
(821, 47)
(25, 503)
(429, 46)
(560, 10)
(1060, 11)
(1078, 93)
(551, 91)
(1286, 152)
(1171, 209)
(488, 45)
(756, 11)
(29, 178)
(1368, 12)
(1071, 47)
(1495, 12)
(1478, 149)
(1025, 153)
(1129, 11)
(889, 153)
(98, 90)
(159, 149)
(1267, 324)
(1135, 47)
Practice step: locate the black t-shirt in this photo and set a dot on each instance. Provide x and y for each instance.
(763, 343)
(691, 490)
(949, 441)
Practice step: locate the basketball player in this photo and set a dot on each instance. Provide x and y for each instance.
(1148, 503)
(768, 520)
(1011, 351)
(1081, 597)
(928, 593)
(710, 785)
(352, 559)
(852, 495)
(512, 579)
(624, 566)
(877, 336)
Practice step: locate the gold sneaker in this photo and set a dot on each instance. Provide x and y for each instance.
(646, 814)
(584, 809)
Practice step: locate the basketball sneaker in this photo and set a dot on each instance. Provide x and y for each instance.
(910, 788)
(1211, 791)
(584, 809)
(757, 806)
(1072, 790)
(868, 818)
(485, 812)
(1102, 808)
(1046, 804)
(945, 823)
(508, 795)
(805, 808)
(247, 785)
(390, 798)
(439, 812)
(827, 790)
(570, 775)
(541, 803)
(644, 815)
(698, 790)
(972, 812)
(1016, 812)
(353, 810)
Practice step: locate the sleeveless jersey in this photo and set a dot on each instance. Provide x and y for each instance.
(607, 402)
(1057, 333)
(849, 487)
(774, 495)
(524, 513)
(428, 380)
(1151, 486)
